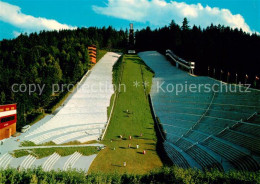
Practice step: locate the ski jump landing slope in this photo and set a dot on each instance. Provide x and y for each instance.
(84, 115)
(53, 162)
(208, 124)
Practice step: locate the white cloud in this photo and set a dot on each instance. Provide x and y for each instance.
(16, 33)
(160, 13)
(12, 14)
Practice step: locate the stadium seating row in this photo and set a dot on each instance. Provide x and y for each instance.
(210, 127)
(53, 162)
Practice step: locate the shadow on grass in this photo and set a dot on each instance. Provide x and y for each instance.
(160, 139)
(136, 136)
(139, 152)
(116, 165)
(151, 149)
(122, 147)
(132, 147)
(150, 144)
(143, 138)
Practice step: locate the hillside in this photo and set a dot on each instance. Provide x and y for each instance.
(209, 137)
(39, 61)
(131, 117)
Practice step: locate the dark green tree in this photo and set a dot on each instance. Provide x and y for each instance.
(185, 24)
(2, 98)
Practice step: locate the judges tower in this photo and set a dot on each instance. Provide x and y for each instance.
(131, 40)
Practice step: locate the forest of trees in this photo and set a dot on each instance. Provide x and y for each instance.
(219, 47)
(61, 57)
(163, 175)
(48, 58)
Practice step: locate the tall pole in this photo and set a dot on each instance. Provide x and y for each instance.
(228, 74)
(246, 78)
(236, 78)
(256, 81)
(221, 71)
(214, 73)
(24, 115)
(208, 71)
(131, 40)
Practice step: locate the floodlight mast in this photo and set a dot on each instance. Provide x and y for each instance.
(131, 40)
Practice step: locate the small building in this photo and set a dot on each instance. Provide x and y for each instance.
(8, 119)
(92, 50)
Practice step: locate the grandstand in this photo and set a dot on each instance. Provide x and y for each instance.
(53, 162)
(205, 128)
(84, 116)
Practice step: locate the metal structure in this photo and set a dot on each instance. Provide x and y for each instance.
(131, 40)
(179, 61)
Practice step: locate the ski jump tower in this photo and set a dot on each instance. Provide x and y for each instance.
(131, 40)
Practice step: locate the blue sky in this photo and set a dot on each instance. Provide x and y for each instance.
(35, 15)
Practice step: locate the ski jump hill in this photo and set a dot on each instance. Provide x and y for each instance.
(82, 118)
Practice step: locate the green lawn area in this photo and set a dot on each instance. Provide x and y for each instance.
(44, 152)
(134, 123)
(100, 54)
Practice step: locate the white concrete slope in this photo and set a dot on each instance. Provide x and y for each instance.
(5, 160)
(27, 162)
(53, 162)
(84, 115)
